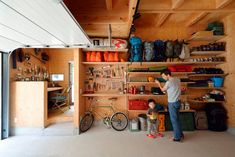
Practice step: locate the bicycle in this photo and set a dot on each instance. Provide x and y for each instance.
(118, 120)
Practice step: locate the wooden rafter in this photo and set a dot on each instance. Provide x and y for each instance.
(162, 18)
(222, 3)
(132, 8)
(219, 5)
(197, 18)
(177, 3)
(109, 4)
(187, 11)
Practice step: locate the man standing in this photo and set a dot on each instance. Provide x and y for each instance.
(172, 87)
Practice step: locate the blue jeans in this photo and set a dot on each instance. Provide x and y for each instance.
(174, 108)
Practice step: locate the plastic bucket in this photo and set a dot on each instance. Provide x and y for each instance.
(143, 122)
(218, 81)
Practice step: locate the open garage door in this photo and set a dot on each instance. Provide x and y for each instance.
(38, 23)
(34, 24)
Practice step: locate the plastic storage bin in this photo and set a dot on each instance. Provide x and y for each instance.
(218, 81)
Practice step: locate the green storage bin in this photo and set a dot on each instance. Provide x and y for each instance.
(157, 69)
(186, 119)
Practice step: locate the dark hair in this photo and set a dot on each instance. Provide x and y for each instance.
(151, 100)
(166, 72)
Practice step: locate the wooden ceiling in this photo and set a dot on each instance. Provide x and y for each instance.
(184, 13)
(96, 15)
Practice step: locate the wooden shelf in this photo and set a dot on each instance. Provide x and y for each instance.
(152, 63)
(144, 95)
(209, 75)
(160, 111)
(104, 94)
(213, 38)
(172, 63)
(197, 101)
(180, 111)
(207, 53)
(104, 63)
(158, 73)
(154, 83)
(150, 95)
(104, 49)
(137, 110)
(206, 88)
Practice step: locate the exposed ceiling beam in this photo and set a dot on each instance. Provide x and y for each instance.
(132, 8)
(197, 18)
(162, 18)
(177, 3)
(222, 3)
(112, 19)
(219, 5)
(109, 4)
(187, 11)
(101, 30)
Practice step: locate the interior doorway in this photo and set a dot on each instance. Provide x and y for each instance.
(71, 82)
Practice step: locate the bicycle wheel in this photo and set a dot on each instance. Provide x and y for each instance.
(86, 122)
(119, 121)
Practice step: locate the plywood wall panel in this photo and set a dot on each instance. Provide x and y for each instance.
(229, 67)
(59, 63)
(28, 106)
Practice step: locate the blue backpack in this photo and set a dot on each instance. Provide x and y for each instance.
(136, 54)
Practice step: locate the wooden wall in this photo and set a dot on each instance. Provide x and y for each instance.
(22, 65)
(59, 63)
(229, 67)
(28, 111)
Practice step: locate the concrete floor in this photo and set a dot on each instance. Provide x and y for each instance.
(102, 142)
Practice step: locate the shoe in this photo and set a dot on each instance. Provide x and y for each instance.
(176, 140)
(159, 135)
(151, 136)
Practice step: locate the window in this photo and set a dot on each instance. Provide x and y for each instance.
(57, 77)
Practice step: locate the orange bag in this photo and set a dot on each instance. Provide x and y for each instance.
(98, 57)
(88, 56)
(106, 56)
(161, 125)
(93, 56)
(116, 56)
(111, 57)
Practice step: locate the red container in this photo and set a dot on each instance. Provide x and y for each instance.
(180, 68)
(138, 105)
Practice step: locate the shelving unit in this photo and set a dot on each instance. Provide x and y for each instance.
(148, 85)
(213, 38)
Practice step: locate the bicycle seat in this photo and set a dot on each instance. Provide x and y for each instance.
(113, 99)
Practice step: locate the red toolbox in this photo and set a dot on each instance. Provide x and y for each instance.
(138, 105)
